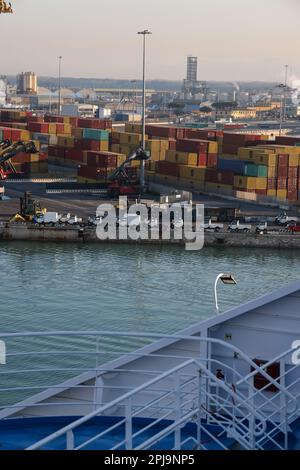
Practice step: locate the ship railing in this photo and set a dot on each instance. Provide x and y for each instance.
(251, 416)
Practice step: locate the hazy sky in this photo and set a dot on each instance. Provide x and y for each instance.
(234, 39)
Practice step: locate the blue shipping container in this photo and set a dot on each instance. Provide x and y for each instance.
(236, 166)
(95, 134)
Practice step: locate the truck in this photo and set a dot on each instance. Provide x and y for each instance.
(262, 228)
(74, 220)
(283, 219)
(237, 226)
(214, 227)
(49, 218)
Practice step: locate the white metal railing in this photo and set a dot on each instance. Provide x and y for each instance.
(188, 392)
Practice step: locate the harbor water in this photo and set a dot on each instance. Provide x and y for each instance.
(47, 287)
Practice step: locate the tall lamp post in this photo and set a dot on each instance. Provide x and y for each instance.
(144, 33)
(59, 84)
(227, 279)
(285, 90)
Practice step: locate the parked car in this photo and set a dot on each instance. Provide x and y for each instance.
(215, 227)
(94, 220)
(294, 227)
(237, 226)
(74, 220)
(64, 218)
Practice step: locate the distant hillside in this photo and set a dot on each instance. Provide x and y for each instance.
(168, 85)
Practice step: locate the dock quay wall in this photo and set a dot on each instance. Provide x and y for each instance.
(26, 232)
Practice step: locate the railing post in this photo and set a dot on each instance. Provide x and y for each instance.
(177, 403)
(70, 440)
(251, 417)
(284, 403)
(199, 424)
(128, 424)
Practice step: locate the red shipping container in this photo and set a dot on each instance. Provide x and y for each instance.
(37, 119)
(193, 146)
(51, 118)
(282, 171)
(86, 144)
(287, 140)
(167, 168)
(203, 134)
(172, 144)
(74, 154)
(93, 123)
(293, 172)
(262, 192)
(281, 183)
(283, 160)
(202, 160)
(293, 195)
(292, 183)
(102, 159)
(42, 127)
(212, 160)
(56, 151)
(161, 131)
(6, 133)
(15, 135)
(272, 183)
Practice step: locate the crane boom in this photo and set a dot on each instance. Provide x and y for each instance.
(8, 150)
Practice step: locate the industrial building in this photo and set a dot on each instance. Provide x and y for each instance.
(27, 83)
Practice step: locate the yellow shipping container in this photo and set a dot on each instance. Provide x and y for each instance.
(245, 182)
(64, 141)
(129, 138)
(192, 172)
(115, 148)
(25, 135)
(183, 158)
(77, 132)
(67, 129)
(34, 157)
(218, 187)
(261, 183)
(104, 145)
(213, 147)
(293, 160)
(271, 192)
(272, 171)
(282, 194)
(52, 128)
(267, 159)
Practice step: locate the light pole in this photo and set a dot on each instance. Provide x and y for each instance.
(284, 95)
(59, 84)
(227, 279)
(144, 33)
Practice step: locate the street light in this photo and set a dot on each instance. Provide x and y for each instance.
(284, 96)
(227, 279)
(59, 84)
(144, 33)
(282, 87)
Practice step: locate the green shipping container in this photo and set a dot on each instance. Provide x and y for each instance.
(260, 171)
(1, 135)
(94, 134)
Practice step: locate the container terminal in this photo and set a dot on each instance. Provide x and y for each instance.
(72, 163)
